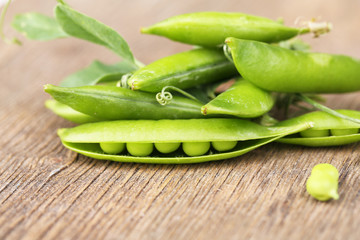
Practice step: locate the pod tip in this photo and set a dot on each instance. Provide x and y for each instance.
(229, 40)
(49, 103)
(60, 131)
(47, 87)
(133, 84)
(204, 110)
(144, 30)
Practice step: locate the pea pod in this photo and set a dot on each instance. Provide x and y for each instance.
(210, 29)
(68, 113)
(113, 103)
(86, 139)
(327, 130)
(183, 70)
(243, 100)
(281, 70)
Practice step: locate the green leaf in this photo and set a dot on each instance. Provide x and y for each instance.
(81, 26)
(97, 72)
(37, 26)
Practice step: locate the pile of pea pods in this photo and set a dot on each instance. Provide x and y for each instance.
(170, 112)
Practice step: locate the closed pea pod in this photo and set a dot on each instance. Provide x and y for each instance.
(86, 138)
(243, 100)
(324, 126)
(210, 29)
(283, 70)
(113, 103)
(183, 70)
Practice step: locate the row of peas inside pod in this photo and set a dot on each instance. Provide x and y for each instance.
(171, 110)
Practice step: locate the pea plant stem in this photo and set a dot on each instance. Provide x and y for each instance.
(2, 20)
(326, 109)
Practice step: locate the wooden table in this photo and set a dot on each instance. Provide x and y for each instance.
(49, 192)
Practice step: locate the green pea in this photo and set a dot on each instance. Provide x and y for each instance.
(114, 103)
(243, 100)
(210, 29)
(342, 132)
(223, 146)
(322, 188)
(112, 148)
(140, 149)
(284, 70)
(323, 182)
(315, 133)
(195, 148)
(167, 147)
(183, 70)
(326, 168)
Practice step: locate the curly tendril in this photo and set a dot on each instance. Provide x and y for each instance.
(165, 97)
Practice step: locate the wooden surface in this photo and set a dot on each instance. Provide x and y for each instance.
(49, 192)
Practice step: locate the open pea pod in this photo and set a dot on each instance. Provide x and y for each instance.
(243, 99)
(327, 129)
(247, 135)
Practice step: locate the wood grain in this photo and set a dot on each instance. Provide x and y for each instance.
(48, 192)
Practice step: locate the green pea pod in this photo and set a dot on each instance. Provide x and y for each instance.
(85, 138)
(327, 129)
(281, 70)
(114, 103)
(243, 100)
(68, 113)
(183, 70)
(210, 29)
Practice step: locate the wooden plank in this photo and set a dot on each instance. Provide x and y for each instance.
(48, 192)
